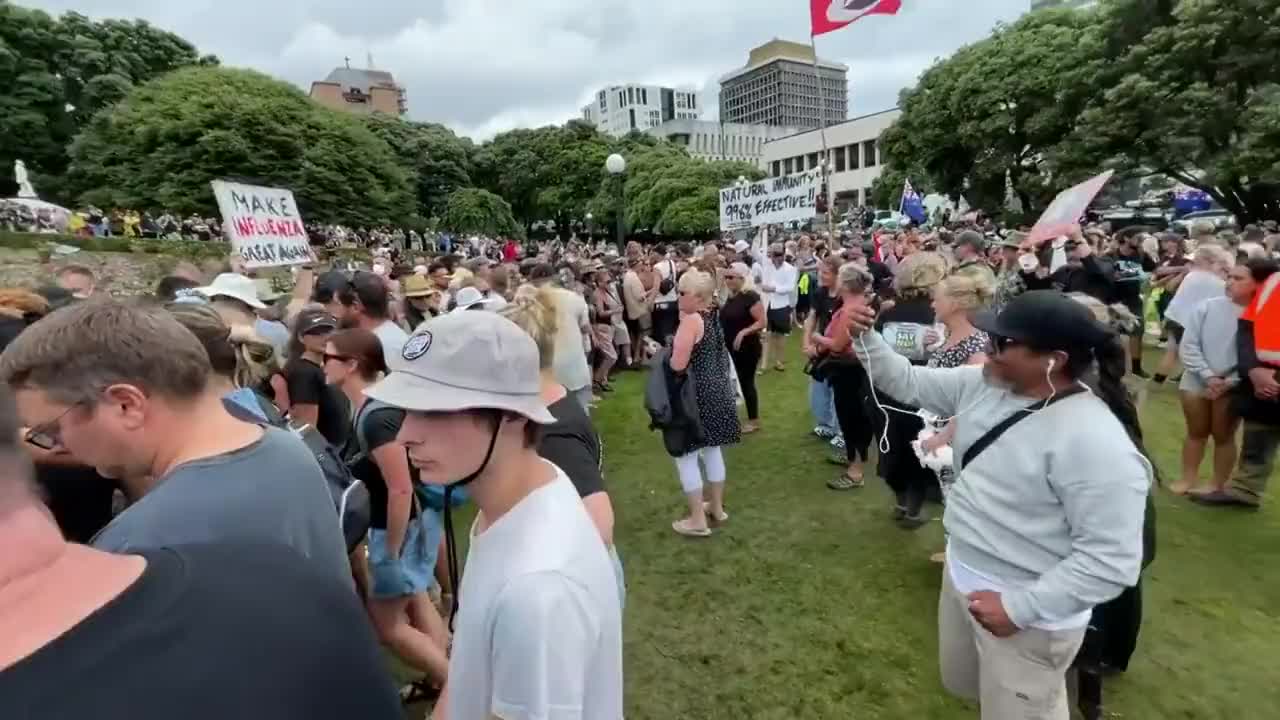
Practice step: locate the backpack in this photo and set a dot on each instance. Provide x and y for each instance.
(431, 496)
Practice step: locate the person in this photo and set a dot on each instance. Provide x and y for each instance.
(604, 308)
(778, 280)
(210, 631)
(421, 301)
(847, 378)
(241, 361)
(621, 333)
(699, 347)
(1255, 402)
(571, 442)
(573, 335)
(92, 379)
(403, 536)
(666, 313)
(299, 390)
(970, 254)
(823, 304)
(637, 301)
(77, 280)
(367, 304)
(1208, 353)
(1204, 280)
(539, 629)
(438, 274)
(1131, 265)
(742, 319)
(1046, 520)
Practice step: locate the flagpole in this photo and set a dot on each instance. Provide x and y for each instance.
(822, 126)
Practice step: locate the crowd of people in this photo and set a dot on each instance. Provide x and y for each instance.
(993, 374)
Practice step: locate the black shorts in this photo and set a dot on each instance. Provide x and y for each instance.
(633, 328)
(666, 317)
(779, 321)
(1175, 330)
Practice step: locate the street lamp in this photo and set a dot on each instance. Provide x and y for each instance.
(616, 165)
(590, 217)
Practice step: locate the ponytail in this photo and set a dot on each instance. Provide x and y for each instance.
(1110, 388)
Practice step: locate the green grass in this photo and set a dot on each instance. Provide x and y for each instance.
(812, 604)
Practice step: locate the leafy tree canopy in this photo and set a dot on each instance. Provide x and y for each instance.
(438, 161)
(161, 146)
(479, 212)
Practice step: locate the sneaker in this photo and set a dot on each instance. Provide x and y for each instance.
(1222, 498)
(837, 442)
(1139, 372)
(824, 432)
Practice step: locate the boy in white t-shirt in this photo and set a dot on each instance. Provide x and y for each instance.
(539, 627)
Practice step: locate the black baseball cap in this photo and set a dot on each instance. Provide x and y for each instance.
(308, 324)
(1044, 320)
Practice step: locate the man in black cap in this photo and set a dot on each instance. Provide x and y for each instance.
(1045, 518)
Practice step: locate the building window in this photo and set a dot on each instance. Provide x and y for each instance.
(866, 196)
(632, 111)
(839, 153)
(869, 153)
(644, 96)
(813, 160)
(786, 166)
(853, 157)
(777, 168)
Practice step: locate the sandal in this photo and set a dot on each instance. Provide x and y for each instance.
(844, 482)
(682, 527)
(724, 516)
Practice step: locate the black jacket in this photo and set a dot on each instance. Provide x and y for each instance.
(1244, 403)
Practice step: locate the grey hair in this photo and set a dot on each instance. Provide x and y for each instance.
(1213, 257)
(853, 279)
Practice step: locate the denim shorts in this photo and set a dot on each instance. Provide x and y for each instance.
(414, 571)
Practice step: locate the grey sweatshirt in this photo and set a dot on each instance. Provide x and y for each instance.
(1055, 505)
(1208, 346)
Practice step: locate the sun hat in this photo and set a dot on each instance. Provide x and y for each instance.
(470, 361)
(235, 286)
(416, 286)
(469, 297)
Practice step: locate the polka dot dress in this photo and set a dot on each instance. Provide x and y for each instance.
(717, 407)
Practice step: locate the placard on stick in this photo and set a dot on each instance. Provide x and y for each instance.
(263, 224)
(1066, 208)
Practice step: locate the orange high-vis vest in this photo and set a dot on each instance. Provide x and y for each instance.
(1264, 313)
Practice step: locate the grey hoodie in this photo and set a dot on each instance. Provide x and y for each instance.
(1055, 505)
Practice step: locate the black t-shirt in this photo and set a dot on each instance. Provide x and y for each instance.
(78, 497)
(1127, 278)
(571, 443)
(306, 385)
(735, 316)
(211, 633)
(381, 427)
(824, 306)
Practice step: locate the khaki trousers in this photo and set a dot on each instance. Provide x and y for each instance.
(1022, 677)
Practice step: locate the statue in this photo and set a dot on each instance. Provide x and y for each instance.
(24, 183)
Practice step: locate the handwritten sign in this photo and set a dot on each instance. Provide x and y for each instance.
(263, 224)
(1066, 209)
(773, 200)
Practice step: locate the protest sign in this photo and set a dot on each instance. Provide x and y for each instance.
(772, 200)
(1066, 209)
(263, 225)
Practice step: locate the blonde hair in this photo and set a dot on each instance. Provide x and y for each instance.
(918, 273)
(699, 283)
(853, 279)
(533, 310)
(235, 352)
(967, 291)
(1213, 257)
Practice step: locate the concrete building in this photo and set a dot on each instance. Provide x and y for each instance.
(360, 91)
(619, 109)
(778, 86)
(854, 149)
(710, 140)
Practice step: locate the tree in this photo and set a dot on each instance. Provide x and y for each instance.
(997, 110)
(160, 147)
(56, 73)
(479, 212)
(438, 159)
(1191, 92)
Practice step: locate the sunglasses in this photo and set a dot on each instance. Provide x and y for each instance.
(1002, 343)
(339, 358)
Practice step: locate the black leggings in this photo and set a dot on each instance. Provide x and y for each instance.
(911, 483)
(745, 361)
(848, 384)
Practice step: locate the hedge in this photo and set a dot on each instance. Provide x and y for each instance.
(188, 249)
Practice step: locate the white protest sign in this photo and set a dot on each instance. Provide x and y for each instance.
(1066, 208)
(772, 200)
(263, 224)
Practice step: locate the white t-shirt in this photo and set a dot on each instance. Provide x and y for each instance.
(539, 627)
(570, 364)
(1197, 287)
(392, 337)
(666, 271)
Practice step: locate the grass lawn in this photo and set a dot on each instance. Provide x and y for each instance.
(812, 604)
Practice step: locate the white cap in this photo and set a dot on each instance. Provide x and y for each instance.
(233, 285)
(741, 246)
(470, 361)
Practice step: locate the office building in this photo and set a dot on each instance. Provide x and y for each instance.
(778, 86)
(620, 109)
(854, 149)
(711, 140)
(361, 91)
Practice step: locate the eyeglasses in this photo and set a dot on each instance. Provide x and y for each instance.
(339, 358)
(48, 436)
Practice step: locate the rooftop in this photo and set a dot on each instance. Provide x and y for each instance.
(360, 79)
(777, 49)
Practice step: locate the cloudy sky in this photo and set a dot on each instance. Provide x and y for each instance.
(484, 66)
